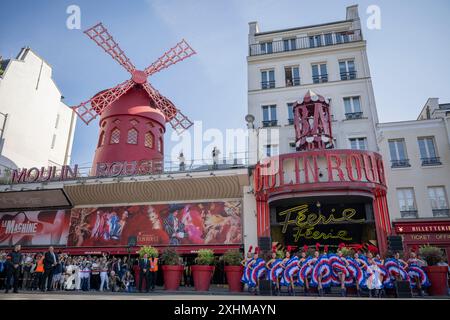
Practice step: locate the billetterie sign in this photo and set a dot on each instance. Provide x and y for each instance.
(71, 172)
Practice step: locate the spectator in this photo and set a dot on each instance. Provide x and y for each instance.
(13, 269)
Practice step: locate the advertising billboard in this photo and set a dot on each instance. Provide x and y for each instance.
(205, 223)
(34, 228)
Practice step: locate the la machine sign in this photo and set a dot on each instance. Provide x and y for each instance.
(102, 170)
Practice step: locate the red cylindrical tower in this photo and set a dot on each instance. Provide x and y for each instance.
(131, 129)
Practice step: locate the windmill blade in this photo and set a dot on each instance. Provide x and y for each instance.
(177, 119)
(101, 37)
(181, 51)
(180, 122)
(89, 110)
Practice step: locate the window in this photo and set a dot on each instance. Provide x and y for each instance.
(319, 73)
(352, 107)
(267, 79)
(132, 136)
(438, 200)
(428, 151)
(328, 39)
(266, 47)
(269, 115)
(160, 145)
(289, 44)
(342, 37)
(315, 41)
(406, 202)
(397, 150)
(271, 150)
(292, 75)
(290, 107)
(53, 141)
(358, 143)
(101, 139)
(148, 140)
(115, 136)
(347, 69)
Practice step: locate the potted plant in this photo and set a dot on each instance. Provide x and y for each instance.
(172, 269)
(203, 270)
(149, 250)
(233, 269)
(436, 274)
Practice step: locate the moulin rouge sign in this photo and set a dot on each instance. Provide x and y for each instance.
(102, 170)
(324, 166)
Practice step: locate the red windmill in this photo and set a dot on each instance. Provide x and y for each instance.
(133, 114)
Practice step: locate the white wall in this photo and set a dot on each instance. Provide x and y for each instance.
(416, 176)
(32, 101)
(335, 89)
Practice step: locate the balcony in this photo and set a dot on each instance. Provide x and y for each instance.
(303, 43)
(268, 84)
(270, 123)
(438, 213)
(403, 163)
(320, 79)
(408, 214)
(433, 161)
(290, 121)
(353, 115)
(350, 75)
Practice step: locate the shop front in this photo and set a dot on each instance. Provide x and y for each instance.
(325, 196)
(415, 232)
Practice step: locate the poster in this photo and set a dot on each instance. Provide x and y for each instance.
(34, 228)
(205, 223)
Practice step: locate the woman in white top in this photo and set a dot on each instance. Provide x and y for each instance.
(374, 281)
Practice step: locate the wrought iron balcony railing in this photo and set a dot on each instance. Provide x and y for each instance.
(353, 115)
(320, 79)
(350, 75)
(400, 163)
(432, 161)
(290, 121)
(270, 123)
(408, 214)
(441, 212)
(267, 84)
(308, 42)
(292, 82)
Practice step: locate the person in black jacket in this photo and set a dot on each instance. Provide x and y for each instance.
(144, 266)
(13, 267)
(50, 261)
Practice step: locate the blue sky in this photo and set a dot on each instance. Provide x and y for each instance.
(408, 57)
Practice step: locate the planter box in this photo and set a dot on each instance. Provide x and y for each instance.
(234, 274)
(202, 276)
(172, 276)
(438, 279)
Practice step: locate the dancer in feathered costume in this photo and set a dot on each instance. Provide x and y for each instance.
(321, 274)
(396, 268)
(305, 270)
(290, 270)
(275, 270)
(417, 275)
(340, 275)
(258, 271)
(246, 275)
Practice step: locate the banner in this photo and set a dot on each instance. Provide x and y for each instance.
(206, 223)
(34, 228)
